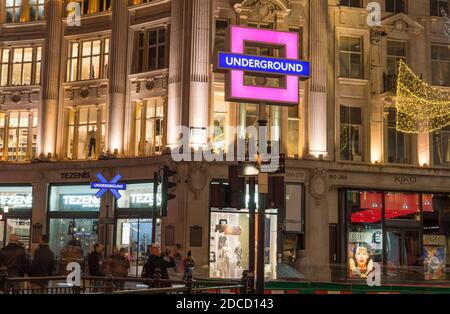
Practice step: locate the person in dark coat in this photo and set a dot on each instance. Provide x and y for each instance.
(14, 258)
(159, 261)
(43, 264)
(95, 261)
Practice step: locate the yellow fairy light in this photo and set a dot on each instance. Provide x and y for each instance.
(420, 107)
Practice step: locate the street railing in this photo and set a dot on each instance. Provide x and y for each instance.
(120, 285)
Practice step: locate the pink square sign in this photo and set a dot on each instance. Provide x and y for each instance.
(238, 91)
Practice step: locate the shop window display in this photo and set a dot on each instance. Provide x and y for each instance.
(229, 250)
(228, 244)
(365, 236)
(436, 235)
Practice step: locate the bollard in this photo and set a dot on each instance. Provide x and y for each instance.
(157, 278)
(189, 283)
(3, 280)
(244, 282)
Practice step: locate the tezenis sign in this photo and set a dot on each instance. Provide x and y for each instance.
(288, 68)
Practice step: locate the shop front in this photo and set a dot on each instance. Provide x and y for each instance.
(134, 227)
(73, 215)
(15, 207)
(408, 233)
(229, 241)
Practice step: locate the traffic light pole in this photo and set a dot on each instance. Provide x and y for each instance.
(251, 225)
(260, 285)
(154, 214)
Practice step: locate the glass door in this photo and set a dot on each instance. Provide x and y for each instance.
(63, 231)
(134, 234)
(403, 255)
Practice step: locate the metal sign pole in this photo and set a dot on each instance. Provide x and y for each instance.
(251, 225)
(154, 215)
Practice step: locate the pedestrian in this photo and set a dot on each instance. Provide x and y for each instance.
(189, 263)
(71, 253)
(118, 265)
(95, 261)
(14, 258)
(43, 264)
(158, 261)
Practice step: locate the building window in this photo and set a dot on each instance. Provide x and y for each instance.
(149, 127)
(86, 132)
(24, 10)
(92, 6)
(350, 54)
(441, 147)
(396, 6)
(351, 133)
(88, 60)
(18, 134)
(440, 65)
(351, 3)
(294, 115)
(396, 52)
(151, 52)
(220, 121)
(221, 29)
(20, 66)
(438, 6)
(397, 151)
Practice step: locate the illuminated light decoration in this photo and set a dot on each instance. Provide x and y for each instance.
(421, 108)
(237, 91)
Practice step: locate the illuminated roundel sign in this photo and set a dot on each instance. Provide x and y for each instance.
(236, 64)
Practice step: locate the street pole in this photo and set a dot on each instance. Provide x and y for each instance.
(154, 215)
(262, 190)
(261, 243)
(251, 225)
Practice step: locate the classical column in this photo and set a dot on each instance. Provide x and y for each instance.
(199, 74)
(117, 76)
(50, 78)
(318, 84)
(175, 73)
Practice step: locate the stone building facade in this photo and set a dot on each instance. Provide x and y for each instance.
(107, 95)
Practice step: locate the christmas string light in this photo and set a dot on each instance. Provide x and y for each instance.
(421, 108)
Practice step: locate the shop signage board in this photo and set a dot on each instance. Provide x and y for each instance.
(289, 68)
(104, 185)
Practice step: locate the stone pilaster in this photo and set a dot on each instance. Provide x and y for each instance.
(175, 73)
(117, 76)
(318, 84)
(50, 78)
(200, 68)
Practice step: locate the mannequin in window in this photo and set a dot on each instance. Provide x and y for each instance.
(92, 141)
(225, 259)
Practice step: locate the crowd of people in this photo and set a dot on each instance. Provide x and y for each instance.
(157, 262)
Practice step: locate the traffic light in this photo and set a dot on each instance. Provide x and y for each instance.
(165, 187)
